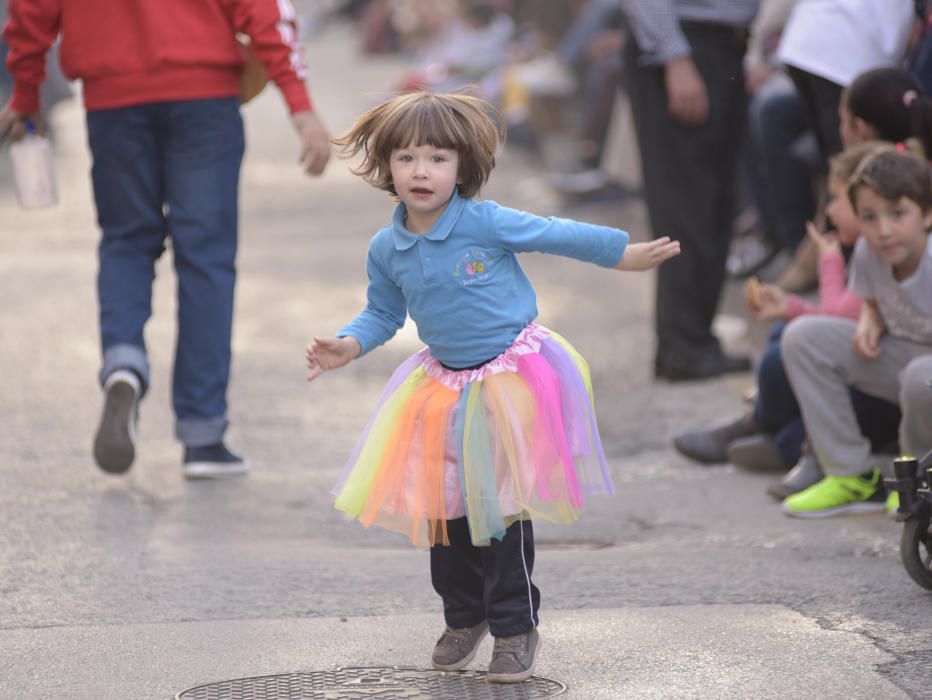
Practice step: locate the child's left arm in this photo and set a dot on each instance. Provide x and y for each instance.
(644, 256)
(870, 328)
(606, 246)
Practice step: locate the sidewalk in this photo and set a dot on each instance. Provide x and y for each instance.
(689, 583)
(757, 651)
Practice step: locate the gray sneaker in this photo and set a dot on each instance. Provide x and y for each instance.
(806, 473)
(457, 647)
(513, 658)
(115, 442)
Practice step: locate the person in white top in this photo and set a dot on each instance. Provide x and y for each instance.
(827, 43)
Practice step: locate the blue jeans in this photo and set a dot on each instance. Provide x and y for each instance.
(920, 63)
(781, 184)
(776, 411)
(170, 171)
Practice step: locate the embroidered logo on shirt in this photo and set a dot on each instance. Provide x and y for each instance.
(474, 266)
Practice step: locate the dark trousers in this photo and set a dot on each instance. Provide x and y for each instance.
(487, 583)
(777, 412)
(689, 179)
(820, 100)
(780, 181)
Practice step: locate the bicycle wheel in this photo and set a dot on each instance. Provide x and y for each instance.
(916, 551)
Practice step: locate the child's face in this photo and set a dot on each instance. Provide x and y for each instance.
(846, 125)
(424, 178)
(895, 230)
(841, 213)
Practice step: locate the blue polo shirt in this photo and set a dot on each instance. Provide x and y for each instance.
(461, 281)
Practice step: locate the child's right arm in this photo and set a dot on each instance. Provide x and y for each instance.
(385, 313)
(834, 297)
(330, 353)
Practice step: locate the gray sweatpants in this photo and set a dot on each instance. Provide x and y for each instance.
(821, 365)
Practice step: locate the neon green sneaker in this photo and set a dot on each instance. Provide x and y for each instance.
(838, 495)
(893, 503)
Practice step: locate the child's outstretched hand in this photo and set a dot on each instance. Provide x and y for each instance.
(330, 353)
(824, 242)
(644, 256)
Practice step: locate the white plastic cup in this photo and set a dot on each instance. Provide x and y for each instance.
(33, 171)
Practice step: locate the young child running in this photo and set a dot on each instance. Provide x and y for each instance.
(493, 422)
(886, 353)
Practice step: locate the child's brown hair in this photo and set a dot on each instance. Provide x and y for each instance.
(459, 122)
(893, 173)
(842, 166)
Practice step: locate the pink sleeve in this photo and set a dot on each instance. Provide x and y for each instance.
(795, 306)
(834, 297)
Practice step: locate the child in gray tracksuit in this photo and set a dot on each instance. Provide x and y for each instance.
(886, 353)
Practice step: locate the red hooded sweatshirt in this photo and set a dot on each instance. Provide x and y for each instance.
(130, 52)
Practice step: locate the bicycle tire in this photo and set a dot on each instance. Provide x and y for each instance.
(914, 541)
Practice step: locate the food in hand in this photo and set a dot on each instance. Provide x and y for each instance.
(752, 293)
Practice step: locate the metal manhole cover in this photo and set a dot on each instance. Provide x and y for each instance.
(374, 683)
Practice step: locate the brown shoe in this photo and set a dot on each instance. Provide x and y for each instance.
(756, 453)
(802, 274)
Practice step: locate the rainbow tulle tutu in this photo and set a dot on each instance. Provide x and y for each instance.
(513, 439)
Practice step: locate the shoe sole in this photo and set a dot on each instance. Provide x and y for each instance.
(700, 457)
(214, 470)
(516, 677)
(465, 661)
(115, 442)
(778, 494)
(859, 508)
(760, 463)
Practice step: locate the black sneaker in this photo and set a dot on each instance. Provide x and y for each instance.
(212, 462)
(457, 647)
(115, 442)
(513, 658)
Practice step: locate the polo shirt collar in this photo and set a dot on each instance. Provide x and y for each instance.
(404, 239)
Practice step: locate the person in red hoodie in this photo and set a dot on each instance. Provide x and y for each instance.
(161, 85)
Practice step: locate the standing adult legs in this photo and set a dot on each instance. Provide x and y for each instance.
(820, 99)
(780, 122)
(201, 161)
(128, 191)
(689, 174)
